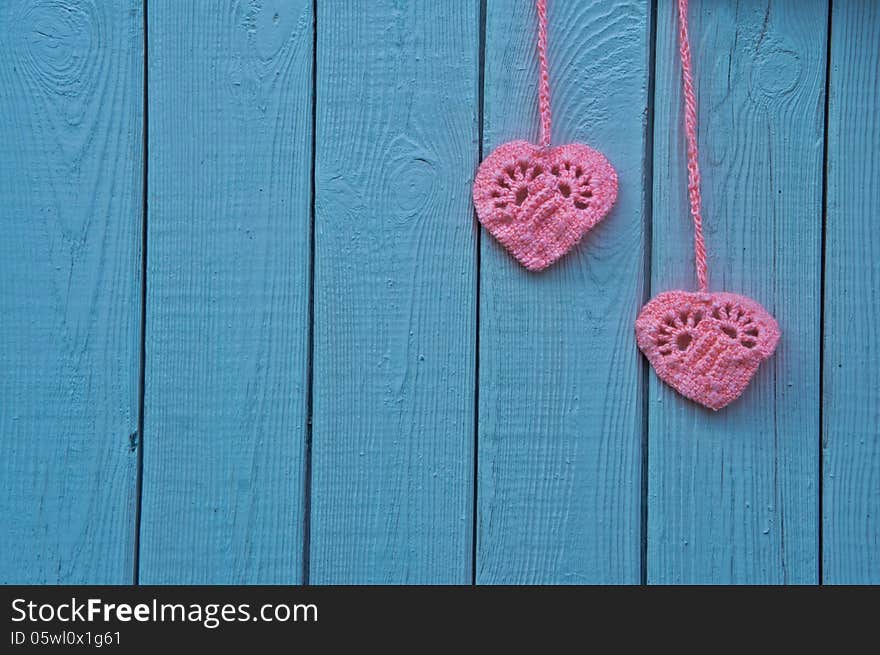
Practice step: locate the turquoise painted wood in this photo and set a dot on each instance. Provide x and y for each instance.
(70, 211)
(228, 267)
(395, 267)
(346, 381)
(561, 383)
(851, 438)
(733, 496)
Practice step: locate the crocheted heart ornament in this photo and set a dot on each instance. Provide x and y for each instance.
(539, 201)
(706, 346)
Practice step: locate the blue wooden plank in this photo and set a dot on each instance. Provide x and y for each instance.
(733, 495)
(394, 292)
(230, 104)
(561, 383)
(851, 471)
(70, 182)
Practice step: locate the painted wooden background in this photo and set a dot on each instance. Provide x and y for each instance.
(251, 333)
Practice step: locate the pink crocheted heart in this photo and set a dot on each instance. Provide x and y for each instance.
(706, 346)
(539, 202)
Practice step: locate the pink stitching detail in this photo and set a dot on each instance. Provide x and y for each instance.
(706, 346)
(539, 202)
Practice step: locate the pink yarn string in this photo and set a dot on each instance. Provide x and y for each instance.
(544, 90)
(690, 128)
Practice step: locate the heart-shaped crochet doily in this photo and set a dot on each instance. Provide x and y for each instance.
(539, 201)
(706, 346)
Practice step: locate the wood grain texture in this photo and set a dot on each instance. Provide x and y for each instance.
(230, 104)
(70, 209)
(397, 146)
(561, 384)
(851, 471)
(733, 495)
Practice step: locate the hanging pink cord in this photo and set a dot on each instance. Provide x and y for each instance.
(690, 128)
(544, 91)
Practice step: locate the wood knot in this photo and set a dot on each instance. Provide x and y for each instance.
(61, 42)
